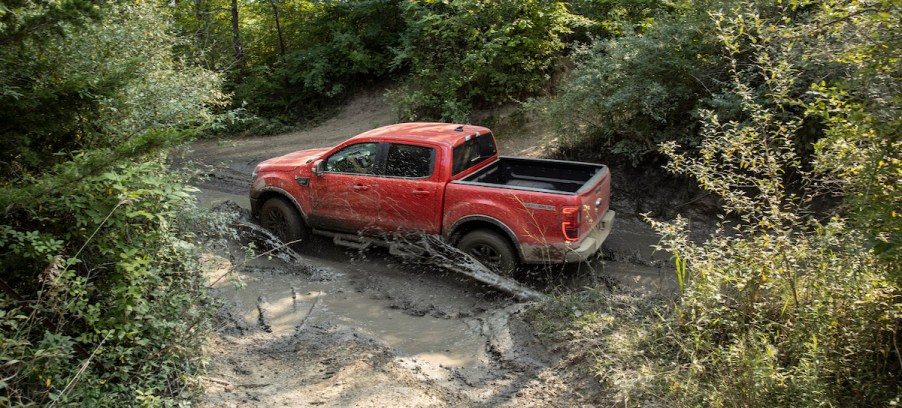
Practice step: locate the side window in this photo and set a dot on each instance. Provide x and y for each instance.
(359, 158)
(409, 161)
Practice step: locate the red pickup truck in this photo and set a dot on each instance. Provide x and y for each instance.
(441, 179)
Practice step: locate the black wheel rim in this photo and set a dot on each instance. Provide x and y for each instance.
(487, 255)
(274, 220)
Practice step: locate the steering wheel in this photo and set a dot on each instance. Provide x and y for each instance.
(364, 161)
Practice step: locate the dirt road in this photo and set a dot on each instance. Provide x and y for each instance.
(342, 328)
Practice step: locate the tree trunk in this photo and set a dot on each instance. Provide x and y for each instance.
(239, 51)
(275, 12)
(202, 34)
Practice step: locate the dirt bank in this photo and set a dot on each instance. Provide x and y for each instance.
(345, 328)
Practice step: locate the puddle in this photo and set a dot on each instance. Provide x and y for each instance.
(208, 198)
(292, 302)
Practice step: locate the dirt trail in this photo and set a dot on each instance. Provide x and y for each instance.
(342, 328)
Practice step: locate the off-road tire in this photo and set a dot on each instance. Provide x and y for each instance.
(283, 220)
(492, 250)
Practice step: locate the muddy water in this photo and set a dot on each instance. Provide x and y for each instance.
(291, 302)
(208, 198)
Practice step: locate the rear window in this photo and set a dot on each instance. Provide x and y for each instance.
(473, 151)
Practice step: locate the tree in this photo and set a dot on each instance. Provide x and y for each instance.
(630, 93)
(236, 41)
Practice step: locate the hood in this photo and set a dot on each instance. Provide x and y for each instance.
(290, 160)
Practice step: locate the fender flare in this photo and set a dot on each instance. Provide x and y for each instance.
(285, 194)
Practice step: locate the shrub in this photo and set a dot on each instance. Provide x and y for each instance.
(95, 85)
(331, 49)
(106, 308)
(780, 307)
(465, 53)
(101, 300)
(629, 94)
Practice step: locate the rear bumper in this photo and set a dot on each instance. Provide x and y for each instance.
(592, 243)
(561, 253)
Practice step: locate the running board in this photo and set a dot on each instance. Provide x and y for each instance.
(406, 250)
(347, 240)
(355, 242)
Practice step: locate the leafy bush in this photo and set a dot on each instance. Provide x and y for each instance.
(330, 48)
(101, 300)
(861, 151)
(782, 306)
(618, 18)
(96, 85)
(106, 308)
(464, 53)
(629, 94)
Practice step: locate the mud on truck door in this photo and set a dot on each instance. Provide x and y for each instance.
(344, 197)
(410, 190)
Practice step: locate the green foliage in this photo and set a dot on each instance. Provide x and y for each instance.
(631, 93)
(96, 86)
(331, 47)
(326, 49)
(458, 54)
(347, 42)
(299, 56)
(101, 300)
(618, 18)
(862, 147)
(464, 53)
(119, 281)
(793, 317)
(781, 307)
(24, 20)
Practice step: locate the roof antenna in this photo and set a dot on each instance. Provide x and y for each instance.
(459, 128)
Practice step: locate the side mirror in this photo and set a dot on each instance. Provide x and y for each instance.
(318, 168)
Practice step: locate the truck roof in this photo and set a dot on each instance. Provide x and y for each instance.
(449, 133)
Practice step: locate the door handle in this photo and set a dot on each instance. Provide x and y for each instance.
(360, 187)
(421, 193)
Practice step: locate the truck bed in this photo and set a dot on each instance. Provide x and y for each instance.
(553, 176)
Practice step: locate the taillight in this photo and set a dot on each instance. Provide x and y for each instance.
(570, 223)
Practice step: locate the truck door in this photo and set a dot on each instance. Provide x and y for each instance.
(343, 197)
(410, 190)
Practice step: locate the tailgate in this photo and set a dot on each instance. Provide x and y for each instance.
(595, 198)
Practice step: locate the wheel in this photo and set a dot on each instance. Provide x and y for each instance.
(490, 249)
(282, 219)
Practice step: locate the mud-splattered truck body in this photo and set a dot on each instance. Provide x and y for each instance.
(439, 179)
